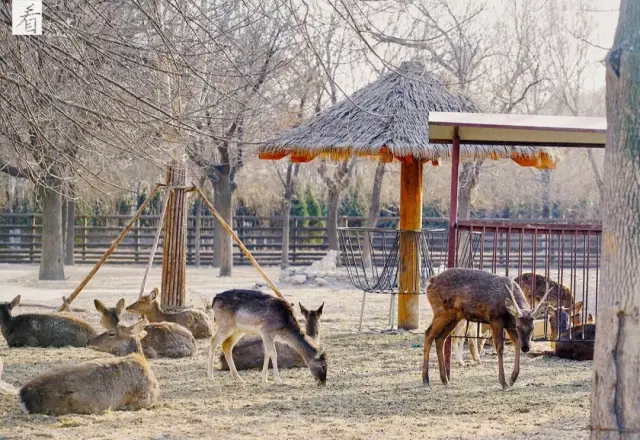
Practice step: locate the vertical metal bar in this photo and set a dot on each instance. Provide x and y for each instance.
(508, 262)
(482, 237)
(494, 265)
(453, 204)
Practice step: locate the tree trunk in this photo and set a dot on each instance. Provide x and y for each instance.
(218, 232)
(545, 176)
(596, 173)
(52, 250)
(223, 204)
(286, 215)
(469, 176)
(615, 406)
(70, 235)
(174, 249)
(198, 227)
(333, 203)
(374, 213)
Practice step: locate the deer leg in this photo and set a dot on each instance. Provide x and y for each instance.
(498, 341)
(274, 363)
(516, 364)
(458, 343)
(269, 353)
(446, 331)
(227, 349)
(438, 323)
(216, 340)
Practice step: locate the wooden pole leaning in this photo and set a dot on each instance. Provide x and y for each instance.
(156, 240)
(113, 247)
(240, 245)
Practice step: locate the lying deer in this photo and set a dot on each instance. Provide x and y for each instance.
(163, 339)
(575, 343)
(240, 312)
(540, 286)
(483, 297)
(248, 353)
(43, 330)
(196, 321)
(95, 386)
(469, 330)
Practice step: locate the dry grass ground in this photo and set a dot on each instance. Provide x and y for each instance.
(374, 386)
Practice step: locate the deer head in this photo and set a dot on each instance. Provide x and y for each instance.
(524, 317)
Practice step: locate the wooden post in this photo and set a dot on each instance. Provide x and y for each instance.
(453, 220)
(409, 264)
(174, 256)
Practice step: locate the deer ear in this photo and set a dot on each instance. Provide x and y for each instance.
(137, 328)
(120, 306)
(99, 306)
(304, 311)
(512, 308)
(319, 311)
(15, 301)
(154, 294)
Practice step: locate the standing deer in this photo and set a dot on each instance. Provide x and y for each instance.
(240, 312)
(559, 294)
(43, 330)
(248, 353)
(163, 339)
(478, 296)
(94, 386)
(475, 340)
(196, 321)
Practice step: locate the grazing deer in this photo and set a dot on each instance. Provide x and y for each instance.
(475, 341)
(121, 383)
(248, 353)
(575, 343)
(540, 285)
(196, 321)
(478, 296)
(163, 339)
(42, 330)
(240, 312)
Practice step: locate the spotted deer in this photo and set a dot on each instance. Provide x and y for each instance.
(239, 312)
(478, 296)
(163, 339)
(196, 321)
(43, 330)
(248, 353)
(91, 387)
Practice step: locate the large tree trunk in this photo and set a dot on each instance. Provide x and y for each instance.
(218, 232)
(224, 198)
(596, 173)
(374, 213)
(333, 203)
(615, 406)
(52, 250)
(469, 177)
(286, 215)
(70, 233)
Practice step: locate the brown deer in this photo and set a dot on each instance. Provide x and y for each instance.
(163, 339)
(196, 321)
(239, 312)
(43, 330)
(248, 353)
(483, 297)
(559, 293)
(576, 343)
(95, 386)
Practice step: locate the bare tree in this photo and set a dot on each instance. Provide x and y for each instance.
(615, 408)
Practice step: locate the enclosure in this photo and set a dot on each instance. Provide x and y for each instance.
(373, 391)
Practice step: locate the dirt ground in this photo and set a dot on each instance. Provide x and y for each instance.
(374, 387)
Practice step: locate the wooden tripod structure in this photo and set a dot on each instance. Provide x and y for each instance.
(169, 266)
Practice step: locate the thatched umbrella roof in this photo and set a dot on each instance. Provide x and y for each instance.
(389, 116)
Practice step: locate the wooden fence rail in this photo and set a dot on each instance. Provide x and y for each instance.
(20, 236)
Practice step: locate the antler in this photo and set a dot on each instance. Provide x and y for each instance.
(543, 299)
(513, 298)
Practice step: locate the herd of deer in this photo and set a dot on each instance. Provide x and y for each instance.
(126, 381)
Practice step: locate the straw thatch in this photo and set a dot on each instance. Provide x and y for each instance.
(392, 113)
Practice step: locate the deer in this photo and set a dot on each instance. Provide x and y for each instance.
(248, 353)
(475, 340)
(163, 339)
(483, 297)
(43, 330)
(562, 317)
(540, 285)
(6, 388)
(238, 312)
(196, 321)
(91, 387)
(576, 343)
